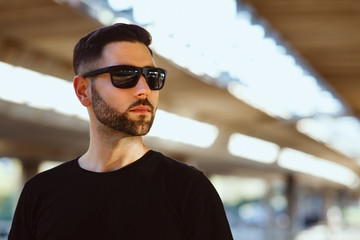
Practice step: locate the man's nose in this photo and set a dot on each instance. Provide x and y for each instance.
(142, 88)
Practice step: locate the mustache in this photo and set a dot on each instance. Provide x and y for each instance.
(142, 102)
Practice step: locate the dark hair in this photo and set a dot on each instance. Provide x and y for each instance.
(89, 48)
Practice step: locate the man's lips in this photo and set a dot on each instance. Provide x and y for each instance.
(140, 109)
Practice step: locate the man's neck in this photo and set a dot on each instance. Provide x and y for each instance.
(112, 152)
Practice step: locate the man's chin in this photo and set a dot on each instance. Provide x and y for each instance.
(146, 117)
(143, 130)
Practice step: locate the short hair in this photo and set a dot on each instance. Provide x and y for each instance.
(89, 48)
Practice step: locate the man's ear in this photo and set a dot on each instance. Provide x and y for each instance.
(82, 89)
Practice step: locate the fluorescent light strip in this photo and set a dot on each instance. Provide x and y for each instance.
(173, 127)
(253, 148)
(309, 164)
(37, 90)
(341, 134)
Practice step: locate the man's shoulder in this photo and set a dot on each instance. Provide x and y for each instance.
(173, 167)
(172, 163)
(53, 174)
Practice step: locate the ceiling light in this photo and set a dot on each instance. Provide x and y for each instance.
(176, 128)
(309, 164)
(339, 133)
(39, 91)
(253, 148)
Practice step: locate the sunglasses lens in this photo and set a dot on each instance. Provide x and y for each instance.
(155, 78)
(125, 78)
(128, 76)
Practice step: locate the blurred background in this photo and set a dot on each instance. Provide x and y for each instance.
(262, 96)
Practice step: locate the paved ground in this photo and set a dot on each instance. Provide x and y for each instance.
(320, 232)
(324, 233)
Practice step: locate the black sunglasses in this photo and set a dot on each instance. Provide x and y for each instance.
(123, 76)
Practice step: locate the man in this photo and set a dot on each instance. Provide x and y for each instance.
(119, 189)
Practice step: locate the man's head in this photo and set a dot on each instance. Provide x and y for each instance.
(116, 78)
(88, 51)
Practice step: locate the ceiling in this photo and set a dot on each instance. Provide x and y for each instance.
(40, 35)
(326, 34)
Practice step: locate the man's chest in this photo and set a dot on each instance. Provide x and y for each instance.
(109, 213)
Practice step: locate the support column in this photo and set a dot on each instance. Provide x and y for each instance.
(271, 226)
(291, 198)
(30, 168)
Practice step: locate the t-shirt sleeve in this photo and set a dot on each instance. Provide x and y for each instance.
(21, 225)
(204, 213)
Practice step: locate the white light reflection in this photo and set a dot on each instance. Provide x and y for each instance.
(341, 134)
(309, 164)
(172, 127)
(37, 90)
(253, 148)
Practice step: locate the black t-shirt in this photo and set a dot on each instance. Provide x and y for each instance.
(155, 197)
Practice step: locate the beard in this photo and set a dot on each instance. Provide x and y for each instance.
(121, 122)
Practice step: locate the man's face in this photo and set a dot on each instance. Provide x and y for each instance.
(130, 111)
(121, 121)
